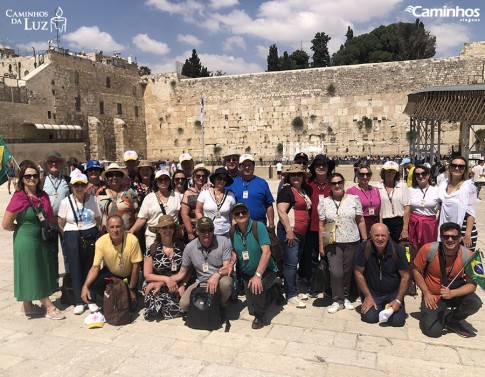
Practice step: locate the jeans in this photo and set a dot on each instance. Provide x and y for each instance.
(291, 256)
(372, 316)
(55, 250)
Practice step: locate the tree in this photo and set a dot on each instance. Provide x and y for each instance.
(349, 35)
(321, 56)
(395, 42)
(299, 59)
(273, 60)
(193, 67)
(219, 72)
(142, 71)
(285, 62)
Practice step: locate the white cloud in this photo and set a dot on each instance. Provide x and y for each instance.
(449, 37)
(39, 46)
(262, 51)
(191, 40)
(217, 4)
(147, 44)
(234, 42)
(188, 9)
(91, 38)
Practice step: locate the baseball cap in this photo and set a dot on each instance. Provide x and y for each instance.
(130, 156)
(77, 176)
(185, 157)
(246, 156)
(239, 206)
(94, 320)
(405, 161)
(204, 222)
(160, 173)
(391, 165)
(93, 164)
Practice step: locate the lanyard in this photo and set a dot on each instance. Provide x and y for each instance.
(120, 254)
(321, 188)
(56, 179)
(424, 192)
(390, 198)
(335, 204)
(369, 198)
(245, 186)
(219, 205)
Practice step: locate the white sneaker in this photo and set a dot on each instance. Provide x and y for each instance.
(348, 305)
(93, 308)
(303, 296)
(296, 303)
(79, 309)
(334, 308)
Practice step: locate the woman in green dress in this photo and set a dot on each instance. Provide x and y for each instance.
(34, 269)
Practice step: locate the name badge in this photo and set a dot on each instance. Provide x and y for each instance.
(174, 266)
(205, 267)
(338, 221)
(245, 255)
(245, 194)
(371, 211)
(218, 214)
(80, 225)
(56, 196)
(422, 202)
(40, 216)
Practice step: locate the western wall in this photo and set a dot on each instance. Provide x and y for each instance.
(347, 110)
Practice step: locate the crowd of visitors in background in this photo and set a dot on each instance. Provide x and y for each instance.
(180, 225)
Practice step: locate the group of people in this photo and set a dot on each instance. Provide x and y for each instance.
(192, 226)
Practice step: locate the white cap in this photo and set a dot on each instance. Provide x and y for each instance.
(246, 156)
(159, 173)
(94, 320)
(77, 176)
(185, 157)
(130, 155)
(385, 314)
(391, 165)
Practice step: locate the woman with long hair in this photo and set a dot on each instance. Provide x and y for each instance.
(162, 260)
(179, 181)
(27, 213)
(79, 218)
(424, 201)
(458, 197)
(345, 212)
(395, 206)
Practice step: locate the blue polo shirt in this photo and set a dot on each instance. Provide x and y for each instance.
(388, 281)
(259, 196)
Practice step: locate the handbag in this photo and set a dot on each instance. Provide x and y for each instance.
(46, 233)
(321, 277)
(67, 292)
(329, 233)
(204, 310)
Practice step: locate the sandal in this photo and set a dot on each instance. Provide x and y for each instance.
(55, 314)
(34, 310)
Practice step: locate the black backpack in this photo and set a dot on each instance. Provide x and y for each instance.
(204, 310)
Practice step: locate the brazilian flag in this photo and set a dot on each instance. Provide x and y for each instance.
(5, 157)
(474, 269)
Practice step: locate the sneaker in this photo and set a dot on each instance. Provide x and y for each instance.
(294, 301)
(358, 300)
(303, 296)
(93, 308)
(313, 294)
(459, 329)
(334, 308)
(55, 314)
(348, 305)
(79, 309)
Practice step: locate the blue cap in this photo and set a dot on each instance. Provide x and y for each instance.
(405, 161)
(93, 164)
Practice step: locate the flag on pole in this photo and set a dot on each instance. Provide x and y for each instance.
(474, 269)
(201, 111)
(5, 157)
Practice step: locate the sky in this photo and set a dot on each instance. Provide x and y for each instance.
(232, 36)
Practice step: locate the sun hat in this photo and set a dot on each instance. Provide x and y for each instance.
(231, 152)
(204, 222)
(324, 159)
(93, 164)
(55, 155)
(144, 164)
(77, 176)
(160, 173)
(164, 220)
(130, 156)
(94, 320)
(294, 169)
(405, 161)
(185, 157)
(391, 165)
(200, 167)
(219, 171)
(113, 168)
(245, 157)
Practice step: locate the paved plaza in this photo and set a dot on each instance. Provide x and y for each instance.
(308, 342)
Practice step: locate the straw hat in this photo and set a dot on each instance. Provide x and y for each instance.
(113, 168)
(144, 164)
(201, 167)
(164, 220)
(295, 169)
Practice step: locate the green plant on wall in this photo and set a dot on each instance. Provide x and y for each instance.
(180, 130)
(329, 129)
(313, 117)
(197, 123)
(248, 149)
(279, 148)
(367, 123)
(331, 90)
(217, 149)
(297, 122)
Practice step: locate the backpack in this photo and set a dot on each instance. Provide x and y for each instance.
(204, 310)
(117, 302)
(275, 247)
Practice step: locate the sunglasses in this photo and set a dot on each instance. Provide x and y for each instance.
(457, 166)
(221, 178)
(296, 175)
(79, 184)
(53, 162)
(421, 174)
(31, 176)
(448, 236)
(180, 179)
(201, 176)
(114, 175)
(240, 213)
(206, 230)
(338, 183)
(231, 159)
(362, 175)
(165, 179)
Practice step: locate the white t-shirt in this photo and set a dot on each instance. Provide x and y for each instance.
(87, 213)
(431, 201)
(399, 197)
(222, 223)
(279, 166)
(150, 209)
(478, 172)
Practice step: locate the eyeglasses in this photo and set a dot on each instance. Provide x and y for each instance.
(231, 159)
(293, 175)
(201, 176)
(457, 166)
(114, 175)
(31, 176)
(448, 236)
(206, 230)
(79, 184)
(421, 174)
(338, 183)
(362, 175)
(179, 179)
(53, 162)
(320, 166)
(240, 213)
(221, 178)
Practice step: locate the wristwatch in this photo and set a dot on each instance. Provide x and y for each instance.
(258, 275)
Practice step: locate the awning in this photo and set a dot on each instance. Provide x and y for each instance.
(69, 127)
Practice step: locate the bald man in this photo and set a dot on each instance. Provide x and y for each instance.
(381, 272)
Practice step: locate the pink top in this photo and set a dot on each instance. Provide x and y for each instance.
(368, 199)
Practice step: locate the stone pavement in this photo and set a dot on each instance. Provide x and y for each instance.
(308, 342)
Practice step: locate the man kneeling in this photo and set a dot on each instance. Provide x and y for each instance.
(381, 272)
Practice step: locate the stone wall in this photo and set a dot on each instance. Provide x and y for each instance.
(350, 110)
